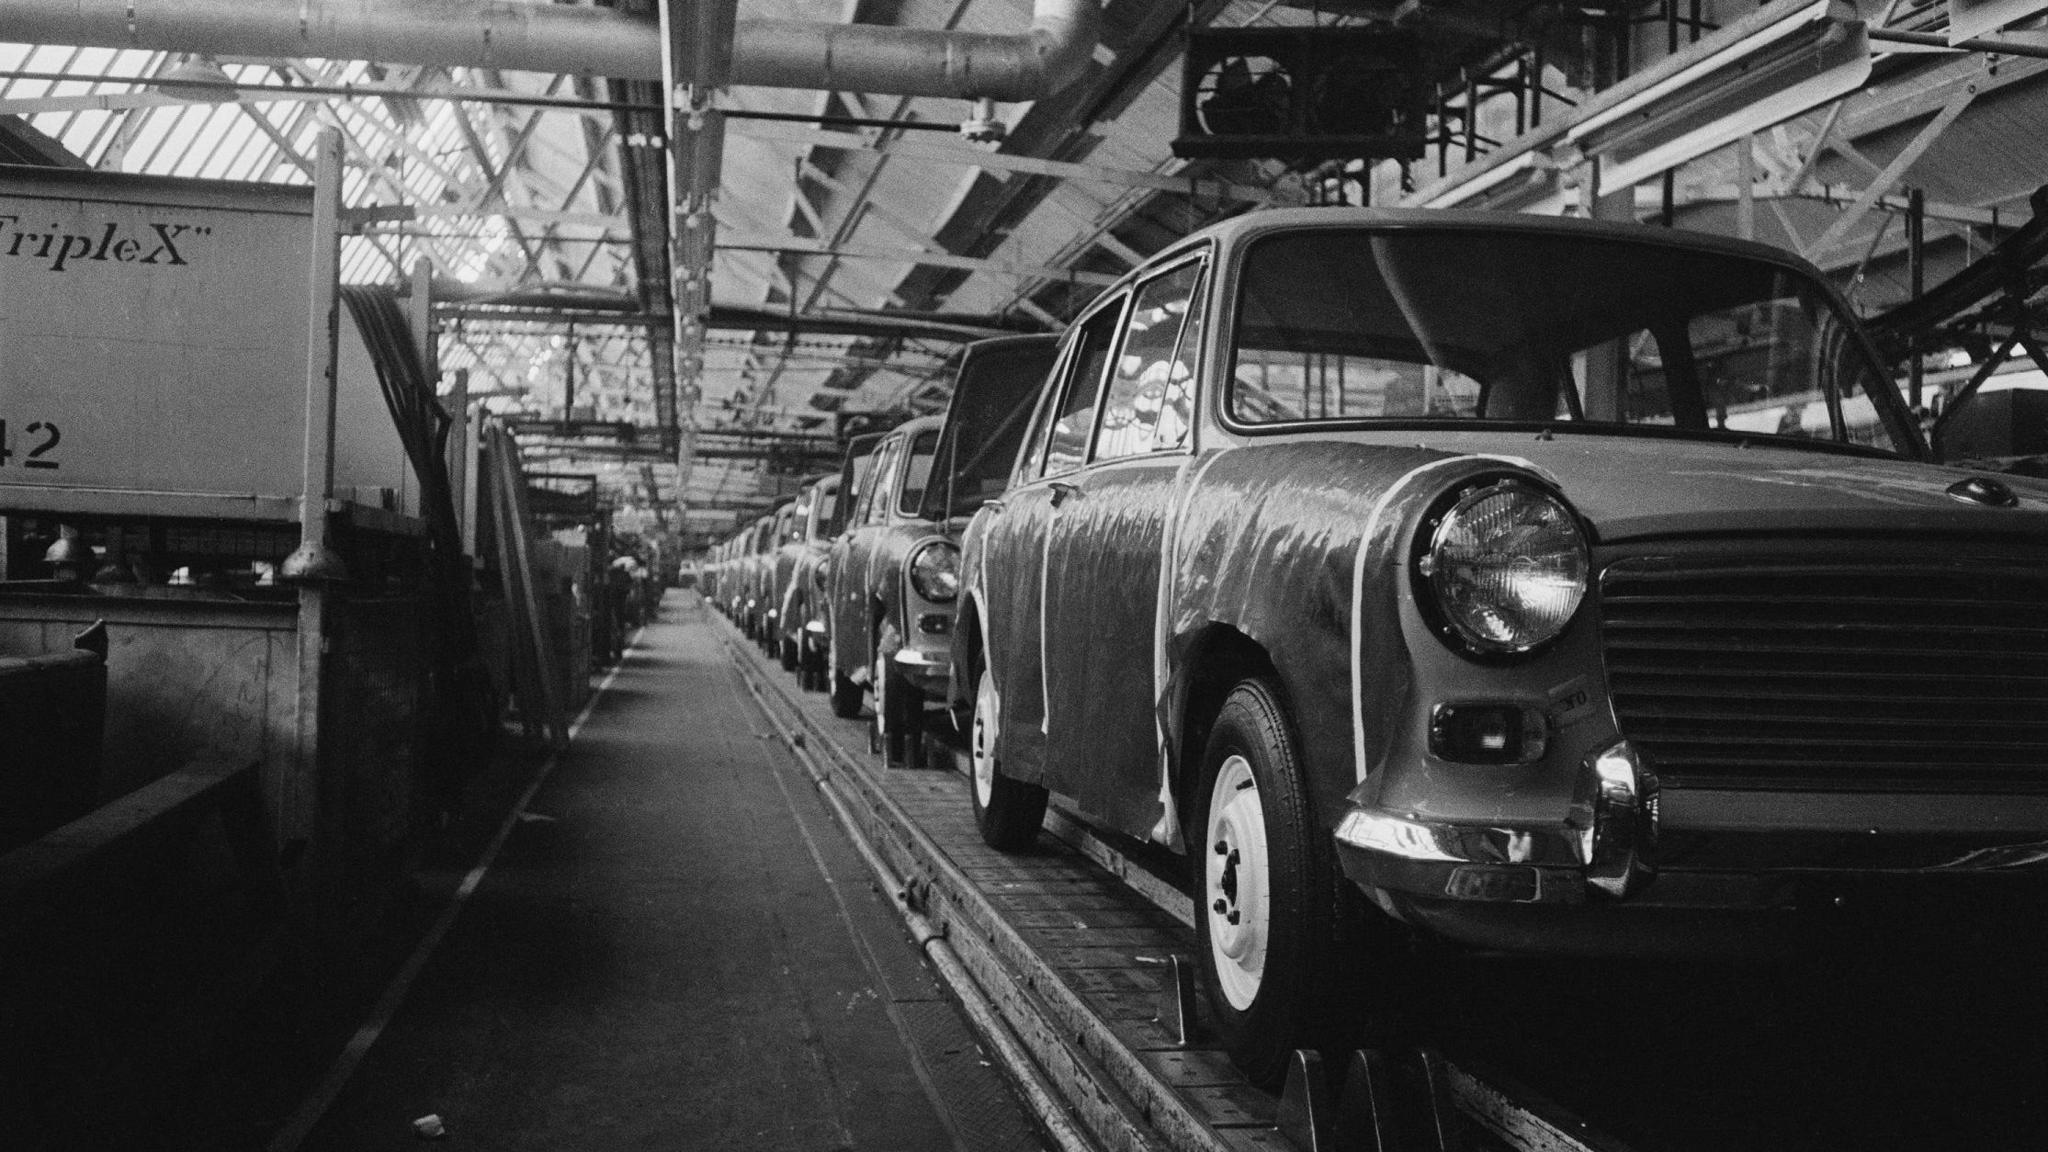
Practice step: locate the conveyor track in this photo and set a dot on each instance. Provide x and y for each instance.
(1074, 961)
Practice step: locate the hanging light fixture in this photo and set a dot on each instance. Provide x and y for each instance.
(197, 80)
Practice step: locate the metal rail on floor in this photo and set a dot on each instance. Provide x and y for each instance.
(1136, 1078)
(1039, 1096)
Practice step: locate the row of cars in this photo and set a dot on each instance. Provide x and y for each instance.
(1427, 579)
(853, 584)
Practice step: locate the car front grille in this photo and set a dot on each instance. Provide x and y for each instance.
(1920, 673)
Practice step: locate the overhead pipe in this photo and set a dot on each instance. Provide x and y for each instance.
(921, 62)
(589, 41)
(460, 33)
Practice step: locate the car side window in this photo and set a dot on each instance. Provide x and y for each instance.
(863, 489)
(919, 472)
(881, 483)
(824, 512)
(1067, 441)
(1031, 449)
(1150, 391)
(855, 481)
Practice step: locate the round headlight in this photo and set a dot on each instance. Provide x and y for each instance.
(1506, 567)
(935, 571)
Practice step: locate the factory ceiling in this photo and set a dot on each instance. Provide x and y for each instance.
(861, 235)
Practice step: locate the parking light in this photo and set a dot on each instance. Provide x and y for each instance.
(1487, 732)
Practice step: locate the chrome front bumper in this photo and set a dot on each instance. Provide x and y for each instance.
(1602, 848)
(928, 670)
(1698, 872)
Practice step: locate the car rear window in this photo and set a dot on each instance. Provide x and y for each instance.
(1425, 325)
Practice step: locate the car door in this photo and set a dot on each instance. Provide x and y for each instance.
(1062, 647)
(1104, 561)
(1012, 578)
(782, 561)
(856, 478)
(852, 620)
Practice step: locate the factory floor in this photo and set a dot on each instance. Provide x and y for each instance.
(675, 948)
(671, 946)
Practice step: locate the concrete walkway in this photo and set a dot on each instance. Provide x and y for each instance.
(676, 949)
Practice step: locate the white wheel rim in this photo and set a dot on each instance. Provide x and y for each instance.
(981, 738)
(1236, 891)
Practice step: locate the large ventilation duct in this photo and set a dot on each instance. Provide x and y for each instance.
(920, 62)
(538, 37)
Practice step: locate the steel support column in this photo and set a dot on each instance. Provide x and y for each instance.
(315, 564)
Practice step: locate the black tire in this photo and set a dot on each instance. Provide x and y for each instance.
(1008, 812)
(1276, 974)
(846, 697)
(911, 726)
(899, 718)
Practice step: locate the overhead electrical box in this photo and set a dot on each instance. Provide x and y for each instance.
(1302, 94)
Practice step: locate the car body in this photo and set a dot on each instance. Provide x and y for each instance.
(1565, 587)
(754, 559)
(706, 569)
(784, 539)
(885, 635)
(718, 589)
(856, 473)
(731, 582)
(800, 570)
(894, 568)
(726, 577)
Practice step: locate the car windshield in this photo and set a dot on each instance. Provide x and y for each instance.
(985, 426)
(917, 472)
(1426, 325)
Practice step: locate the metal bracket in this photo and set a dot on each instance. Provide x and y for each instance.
(1177, 1003)
(1304, 1115)
(1447, 1127)
(1365, 1107)
(1365, 1116)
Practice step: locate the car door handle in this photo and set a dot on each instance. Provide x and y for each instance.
(1060, 491)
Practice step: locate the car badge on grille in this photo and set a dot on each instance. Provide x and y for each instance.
(1983, 490)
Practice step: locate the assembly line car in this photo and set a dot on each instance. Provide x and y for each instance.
(755, 561)
(791, 522)
(893, 579)
(856, 473)
(894, 570)
(1564, 587)
(800, 566)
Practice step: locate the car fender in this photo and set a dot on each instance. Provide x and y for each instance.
(1300, 548)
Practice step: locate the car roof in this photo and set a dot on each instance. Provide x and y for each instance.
(1253, 224)
(916, 424)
